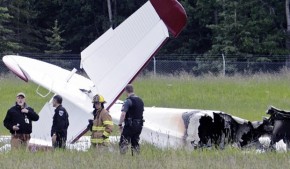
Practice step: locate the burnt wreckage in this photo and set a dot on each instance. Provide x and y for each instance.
(280, 119)
(216, 129)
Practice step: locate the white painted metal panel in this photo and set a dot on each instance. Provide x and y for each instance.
(115, 58)
(78, 119)
(54, 78)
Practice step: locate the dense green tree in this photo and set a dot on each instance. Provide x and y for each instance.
(196, 38)
(84, 22)
(26, 29)
(233, 27)
(287, 11)
(55, 41)
(248, 26)
(7, 41)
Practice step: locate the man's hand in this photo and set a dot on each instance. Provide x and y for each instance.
(24, 110)
(15, 127)
(53, 139)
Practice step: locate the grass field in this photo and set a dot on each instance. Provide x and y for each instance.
(150, 158)
(246, 97)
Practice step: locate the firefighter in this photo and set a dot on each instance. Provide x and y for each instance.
(18, 121)
(60, 123)
(132, 115)
(102, 125)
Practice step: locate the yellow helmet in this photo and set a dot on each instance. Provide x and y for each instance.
(98, 99)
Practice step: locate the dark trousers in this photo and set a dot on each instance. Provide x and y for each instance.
(60, 140)
(130, 135)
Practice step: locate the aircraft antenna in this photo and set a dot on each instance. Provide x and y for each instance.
(110, 12)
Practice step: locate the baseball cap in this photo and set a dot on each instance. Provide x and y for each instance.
(20, 94)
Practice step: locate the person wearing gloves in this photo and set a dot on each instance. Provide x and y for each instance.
(102, 125)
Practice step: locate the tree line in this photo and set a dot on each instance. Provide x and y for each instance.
(242, 28)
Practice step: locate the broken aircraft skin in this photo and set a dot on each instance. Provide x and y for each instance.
(216, 129)
(280, 119)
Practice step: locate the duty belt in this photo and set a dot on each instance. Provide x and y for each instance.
(134, 122)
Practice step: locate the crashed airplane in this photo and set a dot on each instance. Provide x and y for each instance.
(164, 127)
(135, 40)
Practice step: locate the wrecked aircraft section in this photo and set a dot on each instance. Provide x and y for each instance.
(280, 119)
(217, 129)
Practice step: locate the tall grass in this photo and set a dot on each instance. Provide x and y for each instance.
(149, 158)
(246, 97)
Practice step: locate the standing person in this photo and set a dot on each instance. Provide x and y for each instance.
(60, 123)
(18, 121)
(132, 115)
(102, 125)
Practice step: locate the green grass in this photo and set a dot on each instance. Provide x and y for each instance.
(150, 158)
(246, 97)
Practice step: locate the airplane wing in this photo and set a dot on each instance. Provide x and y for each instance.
(115, 58)
(56, 80)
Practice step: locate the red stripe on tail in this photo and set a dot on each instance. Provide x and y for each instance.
(172, 13)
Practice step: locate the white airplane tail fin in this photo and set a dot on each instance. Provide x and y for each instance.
(114, 59)
(78, 119)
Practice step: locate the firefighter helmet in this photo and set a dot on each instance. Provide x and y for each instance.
(98, 99)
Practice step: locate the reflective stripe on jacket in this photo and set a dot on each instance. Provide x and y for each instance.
(102, 127)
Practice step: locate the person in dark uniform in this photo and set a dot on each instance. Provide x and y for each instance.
(18, 121)
(132, 116)
(60, 123)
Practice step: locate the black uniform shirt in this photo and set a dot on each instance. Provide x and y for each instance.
(60, 120)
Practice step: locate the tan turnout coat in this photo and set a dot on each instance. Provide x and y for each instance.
(102, 127)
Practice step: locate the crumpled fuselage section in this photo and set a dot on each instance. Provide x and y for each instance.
(217, 129)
